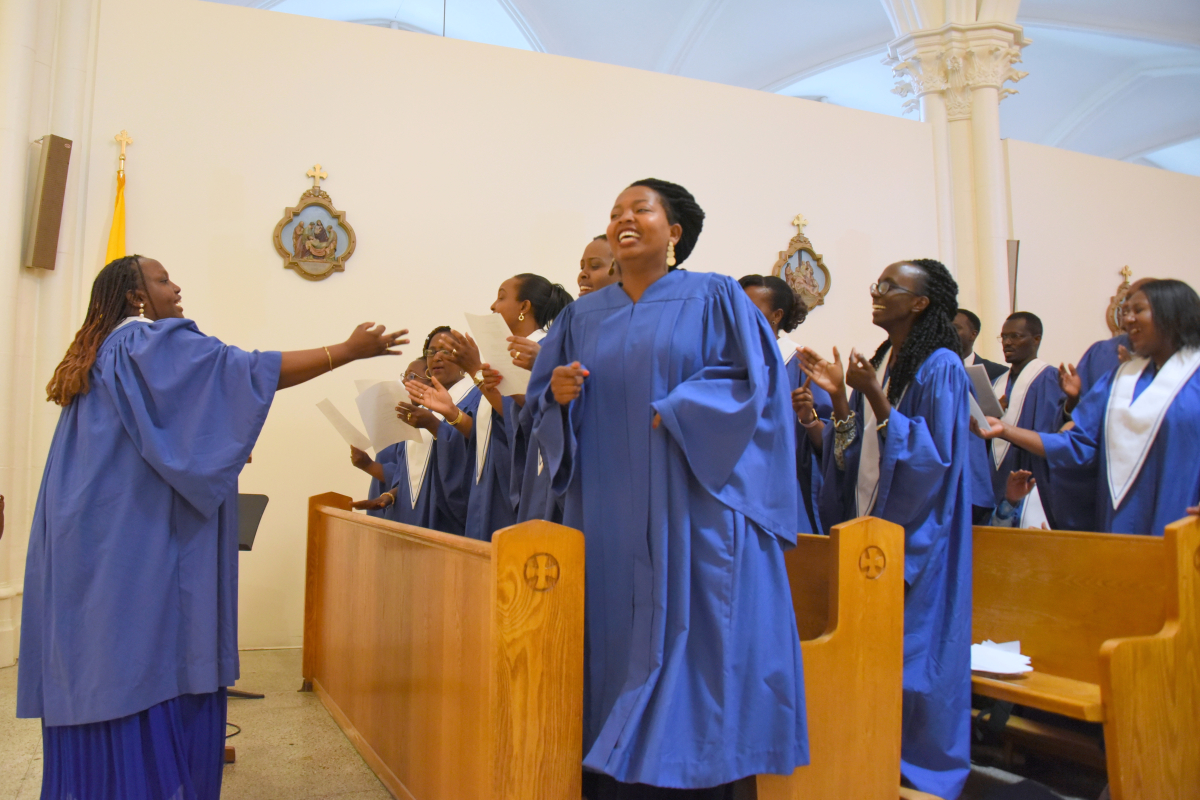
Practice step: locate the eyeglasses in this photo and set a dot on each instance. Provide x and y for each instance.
(429, 354)
(885, 287)
(1011, 337)
(412, 376)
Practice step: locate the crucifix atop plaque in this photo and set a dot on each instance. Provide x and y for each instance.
(803, 268)
(313, 238)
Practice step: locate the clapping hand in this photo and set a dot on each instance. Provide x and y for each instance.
(1020, 483)
(417, 416)
(826, 374)
(860, 375)
(464, 352)
(360, 458)
(566, 383)
(434, 397)
(1123, 354)
(524, 351)
(1070, 382)
(802, 401)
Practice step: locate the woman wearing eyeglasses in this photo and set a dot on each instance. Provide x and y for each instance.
(899, 449)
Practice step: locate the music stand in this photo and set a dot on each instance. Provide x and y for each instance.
(250, 511)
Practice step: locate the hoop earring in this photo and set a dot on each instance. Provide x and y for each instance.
(141, 310)
(522, 317)
(428, 374)
(670, 254)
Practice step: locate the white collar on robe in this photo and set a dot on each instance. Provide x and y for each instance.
(416, 454)
(129, 321)
(1016, 402)
(1132, 425)
(867, 487)
(787, 348)
(483, 421)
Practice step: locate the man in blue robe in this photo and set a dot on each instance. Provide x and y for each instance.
(1030, 392)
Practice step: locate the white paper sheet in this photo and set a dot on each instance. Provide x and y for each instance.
(353, 436)
(999, 659)
(377, 406)
(984, 391)
(362, 385)
(978, 414)
(491, 333)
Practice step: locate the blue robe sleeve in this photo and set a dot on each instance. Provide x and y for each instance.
(733, 418)
(554, 427)
(192, 405)
(1076, 450)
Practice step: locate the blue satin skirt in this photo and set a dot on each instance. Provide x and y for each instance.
(172, 751)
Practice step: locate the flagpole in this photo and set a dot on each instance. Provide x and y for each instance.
(116, 234)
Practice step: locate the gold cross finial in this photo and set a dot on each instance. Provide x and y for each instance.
(800, 222)
(123, 138)
(1126, 273)
(318, 175)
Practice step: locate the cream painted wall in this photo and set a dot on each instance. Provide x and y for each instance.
(459, 165)
(1080, 219)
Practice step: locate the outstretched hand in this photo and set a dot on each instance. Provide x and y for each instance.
(566, 383)
(369, 340)
(383, 501)
(829, 375)
(993, 432)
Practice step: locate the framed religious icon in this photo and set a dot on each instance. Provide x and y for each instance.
(803, 268)
(313, 238)
(1112, 314)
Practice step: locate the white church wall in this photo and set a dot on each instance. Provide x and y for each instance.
(459, 164)
(1080, 219)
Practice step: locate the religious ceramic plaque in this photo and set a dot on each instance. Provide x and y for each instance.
(313, 237)
(1112, 314)
(803, 268)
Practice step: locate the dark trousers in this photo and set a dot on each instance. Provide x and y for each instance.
(603, 787)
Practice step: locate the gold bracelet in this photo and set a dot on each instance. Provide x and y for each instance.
(459, 419)
(330, 357)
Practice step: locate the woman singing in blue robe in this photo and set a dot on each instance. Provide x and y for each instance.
(129, 625)
(785, 312)
(383, 469)
(528, 303)
(435, 477)
(899, 449)
(1137, 431)
(662, 410)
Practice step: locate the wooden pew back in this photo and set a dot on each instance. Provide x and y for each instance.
(455, 666)
(1063, 594)
(848, 593)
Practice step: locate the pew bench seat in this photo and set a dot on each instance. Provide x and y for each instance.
(1053, 693)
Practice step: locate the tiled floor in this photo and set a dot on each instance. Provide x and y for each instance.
(291, 748)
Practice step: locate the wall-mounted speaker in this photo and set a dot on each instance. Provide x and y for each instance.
(41, 249)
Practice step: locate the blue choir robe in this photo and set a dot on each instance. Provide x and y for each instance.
(531, 492)
(1165, 476)
(489, 504)
(693, 671)
(1099, 360)
(386, 458)
(808, 460)
(131, 580)
(451, 467)
(1034, 406)
(925, 481)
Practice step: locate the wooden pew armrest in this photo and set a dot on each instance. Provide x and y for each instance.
(1071, 698)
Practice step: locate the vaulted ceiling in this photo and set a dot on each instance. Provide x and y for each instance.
(1111, 78)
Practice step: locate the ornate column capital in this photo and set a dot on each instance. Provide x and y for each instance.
(954, 60)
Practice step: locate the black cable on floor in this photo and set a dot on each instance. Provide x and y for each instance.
(235, 733)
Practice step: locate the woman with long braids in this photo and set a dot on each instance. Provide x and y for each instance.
(129, 625)
(662, 409)
(899, 449)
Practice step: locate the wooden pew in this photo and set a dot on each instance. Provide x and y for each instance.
(848, 592)
(454, 666)
(1112, 624)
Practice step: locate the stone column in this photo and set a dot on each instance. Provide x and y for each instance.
(956, 75)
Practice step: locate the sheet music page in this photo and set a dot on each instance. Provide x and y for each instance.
(491, 333)
(978, 414)
(983, 390)
(377, 406)
(352, 435)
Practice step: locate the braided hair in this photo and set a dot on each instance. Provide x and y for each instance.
(106, 309)
(782, 299)
(682, 210)
(547, 299)
(933, 329)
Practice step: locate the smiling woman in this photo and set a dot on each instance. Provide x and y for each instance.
(131, 578)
